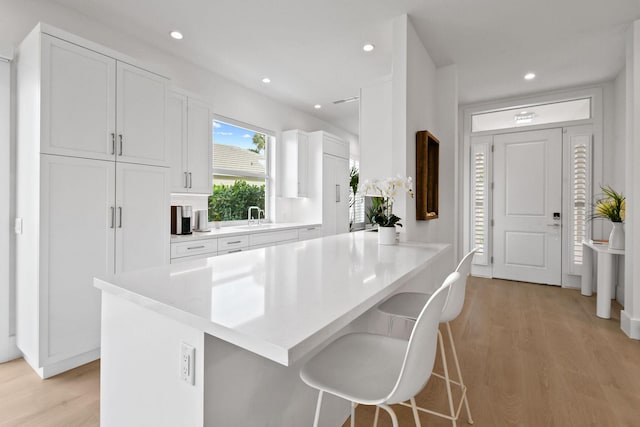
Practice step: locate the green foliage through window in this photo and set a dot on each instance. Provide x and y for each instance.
(232, 201)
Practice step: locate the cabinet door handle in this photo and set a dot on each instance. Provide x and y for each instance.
(337, 193)
(113, 216)
(113, 143)
(234, 250)
(120, 152)
(234, 243)
(195, 247)
(311, 229)
(186, 180)
(120, 216)
(190, 180)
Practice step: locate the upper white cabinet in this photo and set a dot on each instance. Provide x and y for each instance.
(294, 164)
(141, 116)
(78, 100)
(92, 194)
(189, 132)
(94, 106)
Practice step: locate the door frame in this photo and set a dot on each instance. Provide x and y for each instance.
(596, 93)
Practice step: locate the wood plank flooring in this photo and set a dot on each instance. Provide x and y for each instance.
(535, 355)
(531, 355)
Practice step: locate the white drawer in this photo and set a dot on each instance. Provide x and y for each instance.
(231, 251)
(309, 233)
(191, 258)
(269, 245)
(272, 237)
(193, 247)
(235, 242)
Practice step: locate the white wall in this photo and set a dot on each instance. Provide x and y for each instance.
(8, 349)
(614, 170)
(375, 131)
(424, 98)
(630, 316)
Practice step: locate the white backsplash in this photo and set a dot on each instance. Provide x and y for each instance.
(196, 201)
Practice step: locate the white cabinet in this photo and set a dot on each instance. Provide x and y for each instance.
(335, 195)
(78, 100)
(90, 203)
(142, 216)
(76, 244)
(141, 116)
(333, 154)
(294, 164)
(94, 106)
(189, 135)
(308, 233)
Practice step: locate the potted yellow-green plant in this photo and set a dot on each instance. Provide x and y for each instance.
(611, 206)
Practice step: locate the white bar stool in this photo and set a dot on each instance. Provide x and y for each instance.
(379, 370)
(406, 305)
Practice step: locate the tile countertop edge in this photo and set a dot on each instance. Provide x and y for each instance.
(265, 349)
(231, 231)
(300, 350)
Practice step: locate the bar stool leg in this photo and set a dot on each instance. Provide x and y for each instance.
(414, 408)
(317, 417)
(353, 414)
(455, 358)
(394, 419)
(447, 380)
(375, 418)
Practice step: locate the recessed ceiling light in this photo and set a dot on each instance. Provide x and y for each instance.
(317, 106)
(266, 80)
(368, 47)
(529, 76)
(176, 35)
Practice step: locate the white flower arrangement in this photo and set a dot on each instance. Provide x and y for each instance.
(384, 193)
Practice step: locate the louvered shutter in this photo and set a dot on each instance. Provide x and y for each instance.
(580, 189)
(480, 202)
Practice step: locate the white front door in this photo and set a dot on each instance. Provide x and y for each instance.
(527, 234)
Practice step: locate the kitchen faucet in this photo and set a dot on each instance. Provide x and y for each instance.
(250, 219)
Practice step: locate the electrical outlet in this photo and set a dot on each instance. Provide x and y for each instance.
(187, 363)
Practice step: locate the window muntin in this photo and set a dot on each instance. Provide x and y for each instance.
(554, 112)
(240, 171)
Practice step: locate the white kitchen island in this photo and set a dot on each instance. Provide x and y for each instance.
(253, 319)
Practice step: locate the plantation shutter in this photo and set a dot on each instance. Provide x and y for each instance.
(580, 199)
(480, 202)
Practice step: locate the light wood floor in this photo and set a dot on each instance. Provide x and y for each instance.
(531, 355)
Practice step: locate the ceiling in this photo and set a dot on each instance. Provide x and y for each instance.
(312, 50)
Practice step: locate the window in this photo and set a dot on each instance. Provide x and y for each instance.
(240, 171)
(554, 112)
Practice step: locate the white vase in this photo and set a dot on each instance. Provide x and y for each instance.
(387, 235)
(616, 238)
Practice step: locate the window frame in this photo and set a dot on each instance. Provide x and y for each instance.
(268, 175)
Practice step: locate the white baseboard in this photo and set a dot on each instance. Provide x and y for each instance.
(64, 365)
(9, 350)
(630, 326)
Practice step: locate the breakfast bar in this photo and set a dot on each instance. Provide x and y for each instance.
(220, 341)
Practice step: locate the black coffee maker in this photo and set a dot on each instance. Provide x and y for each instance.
(181, 219)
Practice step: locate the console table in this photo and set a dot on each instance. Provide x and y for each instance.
(606, 275)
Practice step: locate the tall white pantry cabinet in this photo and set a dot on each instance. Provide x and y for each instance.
(92, 189)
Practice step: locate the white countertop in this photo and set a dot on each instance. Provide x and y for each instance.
(230, 231)
(281, 301)
(602, 247)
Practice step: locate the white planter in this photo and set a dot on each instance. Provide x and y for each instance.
(387, 235)
(616, 238)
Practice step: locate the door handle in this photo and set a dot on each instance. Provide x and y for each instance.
(553, 225)
(186, 180)
(190, 180)
(337, 193)
(113, 216)
(113, 143)
(120, 153)
(120, 215)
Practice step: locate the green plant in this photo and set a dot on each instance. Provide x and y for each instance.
(231, 201)
(217, 216)
(611, 206)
